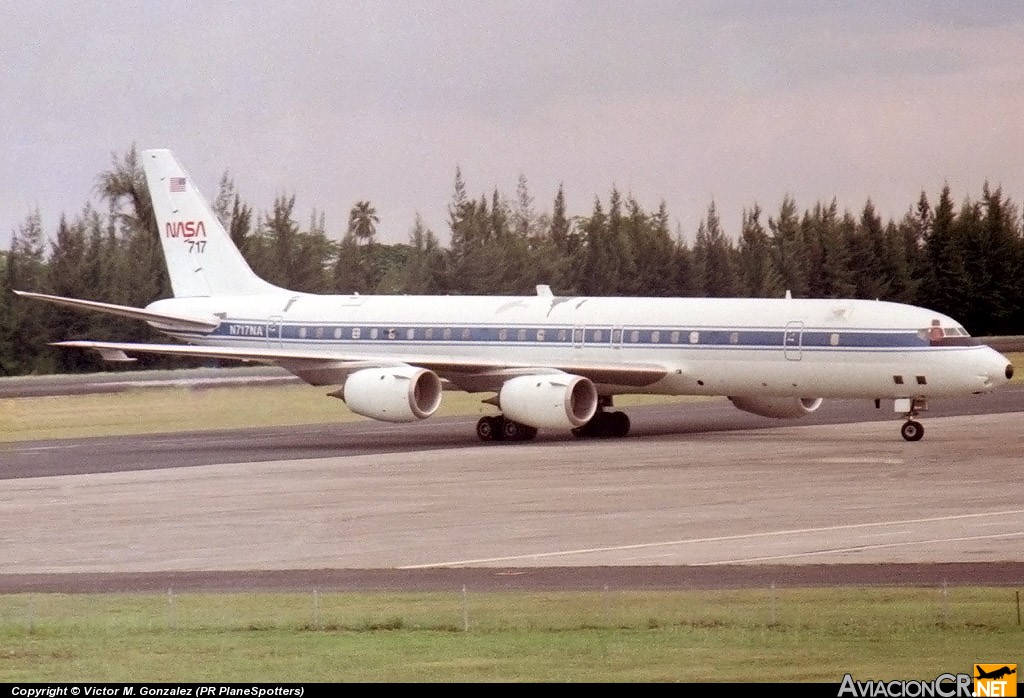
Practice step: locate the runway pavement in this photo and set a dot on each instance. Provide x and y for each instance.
(702, 493)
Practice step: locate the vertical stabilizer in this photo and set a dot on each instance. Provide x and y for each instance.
(201, 258)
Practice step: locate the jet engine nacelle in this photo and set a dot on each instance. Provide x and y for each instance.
(551, 401)
(778, 407)
(397, 394)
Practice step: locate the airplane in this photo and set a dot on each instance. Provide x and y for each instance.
(995, 674)
(547, 361)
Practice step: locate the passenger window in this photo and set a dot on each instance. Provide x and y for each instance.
(694, 337)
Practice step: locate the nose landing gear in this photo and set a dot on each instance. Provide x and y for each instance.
(912, 430)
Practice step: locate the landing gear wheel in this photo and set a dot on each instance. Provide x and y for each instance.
(499, 428)
(514, 431)
(616, 424)
(911, 430)
(604, 425)
(489, 428)
(590, 430)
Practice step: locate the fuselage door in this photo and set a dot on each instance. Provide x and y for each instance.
(792, 340)
(274, 332)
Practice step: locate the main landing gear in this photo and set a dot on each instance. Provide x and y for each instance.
(604, 425)
(499, 428)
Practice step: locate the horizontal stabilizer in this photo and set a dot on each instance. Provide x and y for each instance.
(163, 321)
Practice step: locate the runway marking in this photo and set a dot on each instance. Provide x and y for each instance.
(861, 461)
(720, 539)
(857, 548)
(34, 449)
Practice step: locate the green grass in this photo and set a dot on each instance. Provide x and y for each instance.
(161, 410)
(738, 635)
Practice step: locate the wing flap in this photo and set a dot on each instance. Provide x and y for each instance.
(330, 368)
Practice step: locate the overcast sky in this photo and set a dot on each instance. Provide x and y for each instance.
(682, 102)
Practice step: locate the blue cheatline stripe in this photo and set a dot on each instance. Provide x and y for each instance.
(487, 335)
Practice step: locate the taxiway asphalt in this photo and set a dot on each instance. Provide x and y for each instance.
(699, 489)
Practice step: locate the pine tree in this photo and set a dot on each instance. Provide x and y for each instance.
(67, 271)
(653, 248)
(713, 256)
(424, 270)
(566, 261)
(789, 252)
(756, 273)
(141, 275)
(30, 326)
(997, 263)
(598, 274)
(278, 249)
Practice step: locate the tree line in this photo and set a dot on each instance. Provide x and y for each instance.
(963, 259)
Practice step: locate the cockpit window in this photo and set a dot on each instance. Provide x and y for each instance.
(939, 335)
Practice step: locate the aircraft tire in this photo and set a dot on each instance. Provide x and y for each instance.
(616, 424)
(514, 431)
(604, 425)
(912, 430)
(489, 429)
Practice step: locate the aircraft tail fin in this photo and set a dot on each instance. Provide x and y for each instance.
(201, 258)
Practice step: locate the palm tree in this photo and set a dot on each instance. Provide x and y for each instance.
(362, 222)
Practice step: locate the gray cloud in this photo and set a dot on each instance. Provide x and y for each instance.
(684, 102)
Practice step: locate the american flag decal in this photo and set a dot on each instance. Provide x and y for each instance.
(177, 185)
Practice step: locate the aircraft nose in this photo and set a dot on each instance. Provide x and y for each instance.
(997, 370)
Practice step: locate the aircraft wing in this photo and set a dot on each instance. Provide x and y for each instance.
(329, 368)
(163, 320)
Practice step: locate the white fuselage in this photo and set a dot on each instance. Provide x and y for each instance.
(707, 346)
